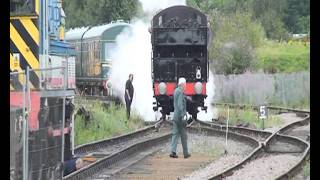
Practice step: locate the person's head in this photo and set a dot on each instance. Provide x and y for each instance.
(131, 77)
(182, 82)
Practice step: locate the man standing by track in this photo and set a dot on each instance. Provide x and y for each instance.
(179, 124)
(128, 94)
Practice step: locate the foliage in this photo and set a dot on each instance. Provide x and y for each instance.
(235, 39)
(297, 16)
(93, 12)
(106, 123)
(283, 57)
(278, 17)
(306, 170)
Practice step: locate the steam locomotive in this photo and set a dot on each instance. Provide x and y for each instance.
(180, 37)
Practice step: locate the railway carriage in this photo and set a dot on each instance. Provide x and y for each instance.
(179, 36)
(94, 46)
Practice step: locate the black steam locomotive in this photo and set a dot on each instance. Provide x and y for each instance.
(180, 36)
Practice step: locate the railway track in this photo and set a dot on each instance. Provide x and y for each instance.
(133, 151)
(107, 148)
(272, 144)
(127, 150)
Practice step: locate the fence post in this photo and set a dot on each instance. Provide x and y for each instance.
(24, 156)
(63, 110)
(28, 115)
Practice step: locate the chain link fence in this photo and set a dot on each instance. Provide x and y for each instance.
(37, 123)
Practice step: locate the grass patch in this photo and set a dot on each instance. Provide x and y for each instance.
(107, 122)
(306, 169)
(283, 57)
(248, 115)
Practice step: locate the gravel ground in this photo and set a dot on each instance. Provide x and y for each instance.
(237, 151)
(266, 167)
(286, 118)
(204, 150)
(302, 132)
(215, 167)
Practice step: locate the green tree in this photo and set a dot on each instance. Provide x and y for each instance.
(297, 18)
(94, 12)
(278, 17)
(235, 38)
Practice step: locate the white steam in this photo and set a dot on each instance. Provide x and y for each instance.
(133, 55)
(211, 112)
(152, 6)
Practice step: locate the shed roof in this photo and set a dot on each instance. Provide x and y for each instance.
(95, 31)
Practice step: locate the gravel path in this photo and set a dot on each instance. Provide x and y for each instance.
(237, 151)
(286, 118)
(302, 132)
(266, 167)
(215, 167)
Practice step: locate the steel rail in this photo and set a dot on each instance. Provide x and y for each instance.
(92, 146)
(144, 144)
(267, 143)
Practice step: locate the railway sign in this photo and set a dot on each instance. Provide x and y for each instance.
(263, 112)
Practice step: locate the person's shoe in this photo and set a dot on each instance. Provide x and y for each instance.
(187, 156)
(173, 155)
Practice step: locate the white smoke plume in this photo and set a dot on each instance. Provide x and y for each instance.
(211, 111)
(152, 6)
(133, 55)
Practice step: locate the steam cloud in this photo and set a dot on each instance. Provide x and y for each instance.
(152, 6)
(133, 55)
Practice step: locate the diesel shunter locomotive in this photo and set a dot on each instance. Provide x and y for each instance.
(179, 36)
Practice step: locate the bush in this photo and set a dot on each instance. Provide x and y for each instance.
(235, 38)
(283, 57)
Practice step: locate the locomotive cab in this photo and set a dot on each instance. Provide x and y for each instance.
(179, 49)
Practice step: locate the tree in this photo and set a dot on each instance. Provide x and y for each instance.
(235, 39)
(94, 12)
(297, 18)
(278, 17)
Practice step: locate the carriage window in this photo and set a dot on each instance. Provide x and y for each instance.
(109, 47)
(22, 7)
(198, 19)
(160, 21)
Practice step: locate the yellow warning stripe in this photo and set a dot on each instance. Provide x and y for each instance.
(23, 17)
(23, 48)
(37, 7)
(32, 29)
(21, 77)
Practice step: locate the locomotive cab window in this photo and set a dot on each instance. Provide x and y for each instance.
(22, 7)
(109, 47)
(105, 71)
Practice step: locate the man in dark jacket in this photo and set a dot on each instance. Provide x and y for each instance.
(179, 124)
(128, 94)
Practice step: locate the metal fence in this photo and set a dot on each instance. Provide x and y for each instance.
(37, 123)
(279, 89)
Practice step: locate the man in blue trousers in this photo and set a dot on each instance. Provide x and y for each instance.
(179, 124)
